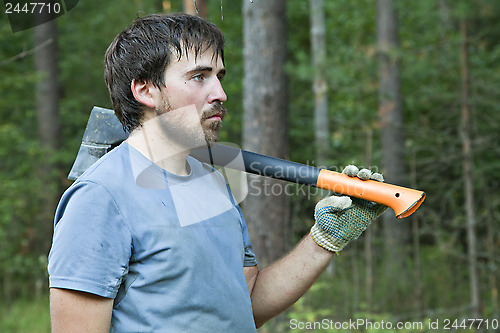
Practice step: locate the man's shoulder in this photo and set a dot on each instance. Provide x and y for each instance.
(102, 183)
(109, 169)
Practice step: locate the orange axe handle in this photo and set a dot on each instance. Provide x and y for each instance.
(404, 201)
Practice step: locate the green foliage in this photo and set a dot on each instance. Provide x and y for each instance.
(334, 297)
(19, 152)
(430, 77)
(25, 316)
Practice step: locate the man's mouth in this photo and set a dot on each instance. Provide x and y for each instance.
(215, 117)
(216, 113)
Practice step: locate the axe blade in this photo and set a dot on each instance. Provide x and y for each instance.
(103, 132)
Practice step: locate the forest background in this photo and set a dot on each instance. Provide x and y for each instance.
(408, 88)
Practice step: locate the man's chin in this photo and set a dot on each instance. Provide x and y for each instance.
(212, 134)
(211, 139)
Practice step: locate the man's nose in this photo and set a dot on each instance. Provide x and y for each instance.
(218, 93)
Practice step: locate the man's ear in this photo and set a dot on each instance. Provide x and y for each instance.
(144, 92)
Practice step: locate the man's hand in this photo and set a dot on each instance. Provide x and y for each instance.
(340, 219)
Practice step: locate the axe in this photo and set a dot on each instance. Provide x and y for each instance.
(104, 132)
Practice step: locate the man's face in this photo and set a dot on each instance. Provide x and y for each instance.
(195, 83)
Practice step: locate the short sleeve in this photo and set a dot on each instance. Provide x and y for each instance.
(91, 246)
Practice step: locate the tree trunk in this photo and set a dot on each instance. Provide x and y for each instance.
(48, 94)
(396, 235)
(196, 7)
(468, 176)
(48, 87)
(492, 257)
(320, 87)
(368, 234)
(418, 295)
(492, 249)
(265, 123)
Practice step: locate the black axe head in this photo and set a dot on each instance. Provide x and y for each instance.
(103, 132)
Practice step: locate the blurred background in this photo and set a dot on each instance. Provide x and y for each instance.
(406, 88)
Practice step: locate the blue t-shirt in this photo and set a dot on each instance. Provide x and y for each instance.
(169, 249)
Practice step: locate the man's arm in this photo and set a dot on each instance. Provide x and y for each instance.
(278, 286)
(76, 311)
(338, 220)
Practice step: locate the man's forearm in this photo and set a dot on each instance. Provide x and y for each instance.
(281, 284)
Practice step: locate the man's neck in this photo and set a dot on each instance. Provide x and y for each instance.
(160, 149)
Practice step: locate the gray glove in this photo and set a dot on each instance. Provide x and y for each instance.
(340, 219)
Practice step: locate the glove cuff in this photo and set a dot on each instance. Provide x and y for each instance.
(326, 240)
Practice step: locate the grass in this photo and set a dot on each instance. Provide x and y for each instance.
(26, 316)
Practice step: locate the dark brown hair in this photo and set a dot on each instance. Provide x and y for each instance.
(145, 49)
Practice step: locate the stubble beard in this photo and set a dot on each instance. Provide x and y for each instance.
(211, 128)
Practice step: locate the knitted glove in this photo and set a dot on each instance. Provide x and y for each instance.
(340, 219)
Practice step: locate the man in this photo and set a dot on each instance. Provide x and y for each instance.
(150, 239)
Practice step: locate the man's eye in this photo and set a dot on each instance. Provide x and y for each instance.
(199, 77)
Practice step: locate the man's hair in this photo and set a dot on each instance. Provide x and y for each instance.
(145, 49)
